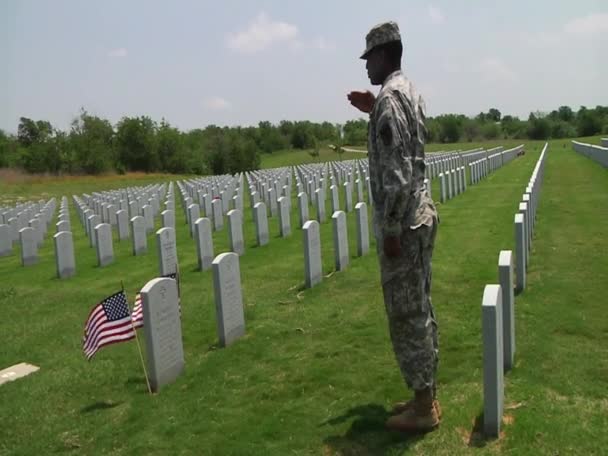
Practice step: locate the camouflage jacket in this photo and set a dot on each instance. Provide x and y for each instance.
(396, 158)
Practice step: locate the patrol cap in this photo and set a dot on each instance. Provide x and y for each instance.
(387, 32)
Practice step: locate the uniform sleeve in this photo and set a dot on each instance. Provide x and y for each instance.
(392, 139)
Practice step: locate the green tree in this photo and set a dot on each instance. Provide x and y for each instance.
(90, 145)
(494, 115)
(171, 148)
(538, 126)
(136, 144)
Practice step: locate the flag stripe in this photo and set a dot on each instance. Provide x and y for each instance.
(108, 328)
(127, 335)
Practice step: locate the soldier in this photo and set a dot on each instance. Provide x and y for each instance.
(405, 223)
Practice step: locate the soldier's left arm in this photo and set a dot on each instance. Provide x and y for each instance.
(393, 139)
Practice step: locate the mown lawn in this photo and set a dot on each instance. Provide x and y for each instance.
(315, 373)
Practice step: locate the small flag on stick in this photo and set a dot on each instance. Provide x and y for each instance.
(109, 322)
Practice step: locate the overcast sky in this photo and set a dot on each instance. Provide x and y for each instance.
(239, 62)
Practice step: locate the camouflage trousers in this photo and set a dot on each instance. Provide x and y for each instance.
(406, 284)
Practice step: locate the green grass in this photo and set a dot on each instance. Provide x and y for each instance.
(315, 373)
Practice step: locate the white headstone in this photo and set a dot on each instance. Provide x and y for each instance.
(235, 231)
(362, 229)
(138, 235)
(505, 277)
(320, 202)
(167, 251)
(313, 273)
(163, 331)
(284, 217)
(6, 241)
(348, 191)
(260, 218)
(493, 373)
(64, 254)
(204, 243)
(104, 246)
(168, 218)
(340, 240)
(335, 199)
(218, 214)
(63, 225)
(194, 213)
(303, 208)
(228, 298)
(29, 246)
(148, 217)
(122, 225)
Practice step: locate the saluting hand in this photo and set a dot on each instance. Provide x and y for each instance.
(363, 101)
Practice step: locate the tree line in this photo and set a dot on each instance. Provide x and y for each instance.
(93, 145)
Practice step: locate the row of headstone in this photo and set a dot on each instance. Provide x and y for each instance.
(35, 219)
(498, 306)
(452, 183)
(313, 273)
(162, 316)
(525, 220)
(598, 154)
(65, 260)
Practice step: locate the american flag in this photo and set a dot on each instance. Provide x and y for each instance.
(137, 316)
(109, 322)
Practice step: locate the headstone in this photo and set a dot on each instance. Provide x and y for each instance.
(284, 217)
(167, 251)
(218, 214)
(6, 241)
(228, 298)
(64, 225)
(505, 277)
(260, 218)
(16, 372)
(303, 208)
(133, 209)
(204, 243)
(348, 192)
(13, 224)
(112, 209)
(148, 217)
(272, 202)
(335, 199)
(64, 254)
(340, 240)
(103, 241)
(520, 253)
(122, 225)
(29, 246)
(235, 232)
(36, 225)
(194, 214)
(163, 331)
(320, 202)
(313, 273)
(493, 373)
(138, 235)
(362, 229)
(168, 218)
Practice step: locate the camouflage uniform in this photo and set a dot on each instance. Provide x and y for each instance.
(402, 207)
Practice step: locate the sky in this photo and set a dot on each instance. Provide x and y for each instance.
(229, 62)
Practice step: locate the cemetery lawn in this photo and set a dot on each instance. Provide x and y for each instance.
(315, 373)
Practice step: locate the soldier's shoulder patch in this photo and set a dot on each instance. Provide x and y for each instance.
(386, 134)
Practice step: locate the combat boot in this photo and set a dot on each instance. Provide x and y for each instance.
(401, 407)
(420, 417)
